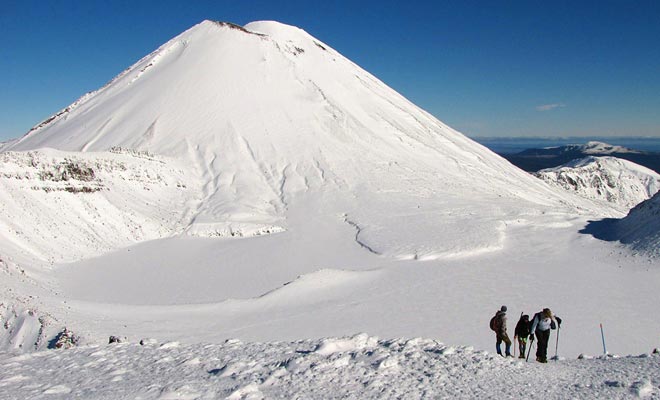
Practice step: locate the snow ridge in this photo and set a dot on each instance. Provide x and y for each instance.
(614, 180)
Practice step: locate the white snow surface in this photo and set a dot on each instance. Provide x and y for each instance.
(595, 147)
(641, 227)
(614, 180)
(253, 183)
(61, 207)
(360, 367)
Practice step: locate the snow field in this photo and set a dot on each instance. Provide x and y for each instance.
(268, 288)
(357, 367)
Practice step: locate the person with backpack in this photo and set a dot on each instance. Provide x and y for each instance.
(542, 323)
(498, 324)
(522, 332)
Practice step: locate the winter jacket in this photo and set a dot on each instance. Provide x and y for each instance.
(522, 328)
(542, 322)
(500, 323)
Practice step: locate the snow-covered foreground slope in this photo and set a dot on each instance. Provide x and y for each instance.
(617, 181)
(358, 367)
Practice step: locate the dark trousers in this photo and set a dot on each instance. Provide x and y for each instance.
(522, 345)
(542, 338)
(503, 338)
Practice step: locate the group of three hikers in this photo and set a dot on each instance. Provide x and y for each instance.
(540, 325)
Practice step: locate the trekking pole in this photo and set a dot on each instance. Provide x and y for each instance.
(557, 345)
(515, 344)
(602, 335)
(530, 350)
(515, 340)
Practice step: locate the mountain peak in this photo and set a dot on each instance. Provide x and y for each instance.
(269, 115)
(275, 29)
(223, 24)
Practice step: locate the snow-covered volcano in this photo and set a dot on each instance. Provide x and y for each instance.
(267, 114)
(253, 183)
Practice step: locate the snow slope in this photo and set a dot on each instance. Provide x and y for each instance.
(61, 207)
(617, 181)
(315, 202)
(641, 227)
(357, 367)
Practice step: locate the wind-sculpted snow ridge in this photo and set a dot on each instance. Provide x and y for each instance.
(60, 207)
(358, 367)
(617, 181)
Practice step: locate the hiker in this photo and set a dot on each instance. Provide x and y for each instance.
(541, 324)
(498, 324)
(522, 332)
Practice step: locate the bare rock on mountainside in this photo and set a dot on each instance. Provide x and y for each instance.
(66, 340)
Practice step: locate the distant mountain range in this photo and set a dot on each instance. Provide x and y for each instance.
(533, 160)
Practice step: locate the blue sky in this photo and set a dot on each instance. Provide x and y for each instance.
(487, 68)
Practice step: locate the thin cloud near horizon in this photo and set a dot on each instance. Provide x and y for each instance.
(549, 107)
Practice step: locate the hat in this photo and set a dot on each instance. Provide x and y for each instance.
(503, 309)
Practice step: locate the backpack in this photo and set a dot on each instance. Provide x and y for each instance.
(495, 322)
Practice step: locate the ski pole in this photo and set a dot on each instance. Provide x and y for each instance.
(602, 335)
